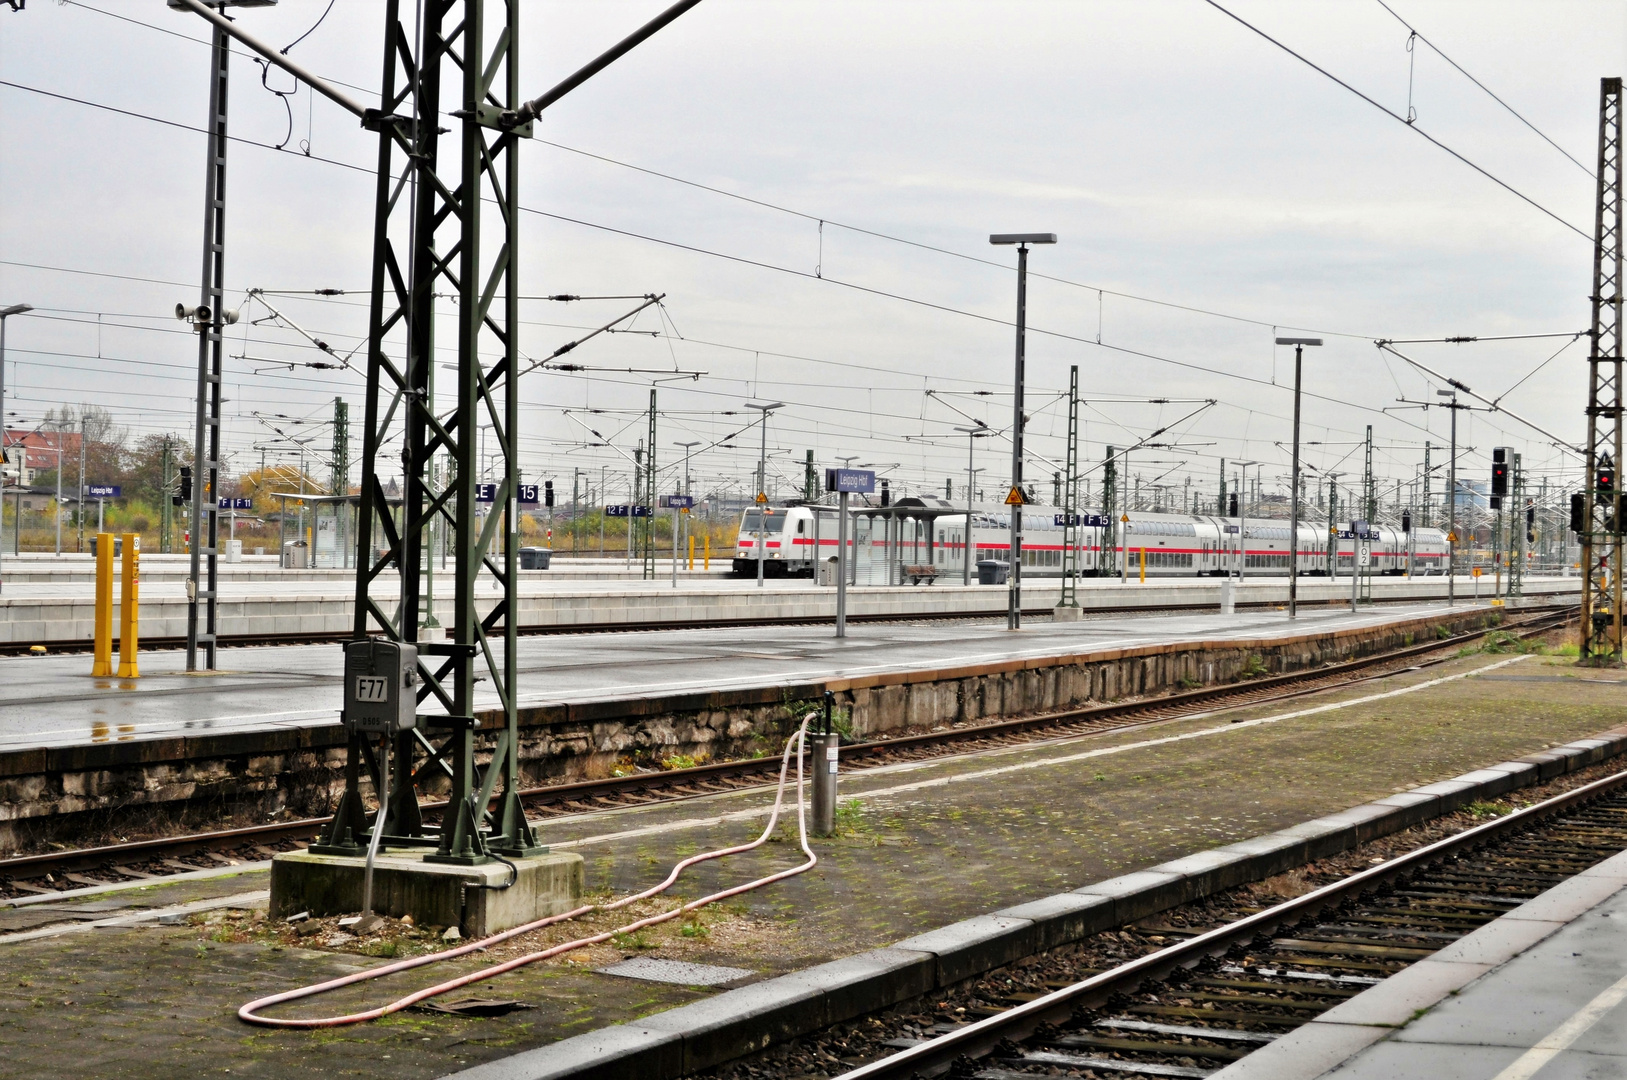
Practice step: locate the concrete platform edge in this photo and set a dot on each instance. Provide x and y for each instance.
(1374, 1015)
(757, 1016)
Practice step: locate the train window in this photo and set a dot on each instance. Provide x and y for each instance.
(802, 527)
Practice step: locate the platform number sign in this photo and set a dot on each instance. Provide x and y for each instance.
(528, 494)
(485, 493)
(236, 504)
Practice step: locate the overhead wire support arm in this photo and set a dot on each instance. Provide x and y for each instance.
(547, 362)
(530, 110)
(1466, 339)
(1493, 406)
(275, 56)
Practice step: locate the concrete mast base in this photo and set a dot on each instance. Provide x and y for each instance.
(434, 894)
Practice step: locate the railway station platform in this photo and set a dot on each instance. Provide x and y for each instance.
(940, 869)
(260, 736)
(1538, 993)
(53, 701)
(55, 606)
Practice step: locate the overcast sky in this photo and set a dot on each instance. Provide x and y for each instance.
(1181, 158)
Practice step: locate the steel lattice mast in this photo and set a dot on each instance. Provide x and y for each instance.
(432, 234)
(1070, 499)
(203, 510)
(1601, 542)
(445, 222)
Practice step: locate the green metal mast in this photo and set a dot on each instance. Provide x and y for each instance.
(165, 513)
(1070, 499)
(1369, 491)
(1423, 511)
(1107, 559)
(340, 482)
(1333, 527)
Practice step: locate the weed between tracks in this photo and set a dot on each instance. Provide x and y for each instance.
(857, 1042)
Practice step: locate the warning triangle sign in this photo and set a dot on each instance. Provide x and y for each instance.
(1016, 498)
(761, 497)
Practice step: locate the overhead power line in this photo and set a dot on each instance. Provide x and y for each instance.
(1398, 118)
(870, 290)
(1512, 111)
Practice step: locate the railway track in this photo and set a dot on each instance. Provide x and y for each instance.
(150, 644)
(58, 871)
(1206, 984)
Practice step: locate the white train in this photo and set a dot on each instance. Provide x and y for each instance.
(885, 541)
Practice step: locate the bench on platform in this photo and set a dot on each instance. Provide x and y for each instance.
(918, 574)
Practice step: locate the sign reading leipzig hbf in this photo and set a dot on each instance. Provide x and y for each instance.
(856, 481)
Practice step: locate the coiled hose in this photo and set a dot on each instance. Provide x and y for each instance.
(250, 1013)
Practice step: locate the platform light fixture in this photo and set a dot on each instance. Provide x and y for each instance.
(1022, 241)
(6, 313)
(1299, 344)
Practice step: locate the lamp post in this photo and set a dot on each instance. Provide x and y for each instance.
(1014, 609)
(1293, 513)
(762, 483)
(6, 313)
(972, 433)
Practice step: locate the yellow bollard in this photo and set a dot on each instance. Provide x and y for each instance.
(708, 564)
(129, 606)
(102, 664)
(1143, 566)
(691, 565)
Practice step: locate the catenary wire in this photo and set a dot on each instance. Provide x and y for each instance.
(1401, 120)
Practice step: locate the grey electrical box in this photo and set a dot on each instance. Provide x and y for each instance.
(381, 686)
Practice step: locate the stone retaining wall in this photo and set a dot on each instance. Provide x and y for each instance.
(199, 782)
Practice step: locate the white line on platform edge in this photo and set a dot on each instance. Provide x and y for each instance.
(1560, 1039)
(982, 774)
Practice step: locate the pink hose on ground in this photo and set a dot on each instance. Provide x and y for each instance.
(250, 1013)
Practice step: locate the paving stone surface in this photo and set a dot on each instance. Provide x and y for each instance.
(921, 846)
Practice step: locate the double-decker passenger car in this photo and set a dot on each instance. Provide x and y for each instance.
(792, 539)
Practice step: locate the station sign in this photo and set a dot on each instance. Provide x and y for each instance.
(102, 491)
(528, 494)
(485, 493)
(677, 502)
(854, 481)
(625, 510)
(235, 504)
